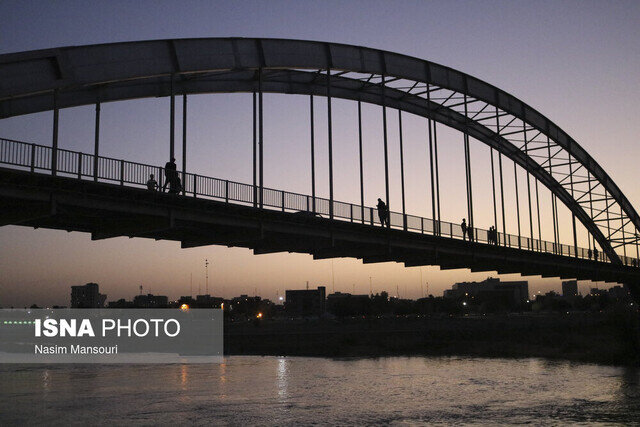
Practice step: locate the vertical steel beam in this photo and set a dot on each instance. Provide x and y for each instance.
(573, 215)
(493, 191)
(386, 153)
(172, 122)
(54, 152)
(555, 223)
(96, 143)
(553, 201)
(526, 142)
(624, 242)
(404, 211)
(330, 143)
(538, 215)
(433, 194)
(260, 137)
(435, 158)
(361, 163)
(515, 175)
(591, 207)
(255, 154)
(313, 157)
(184, 143)
(504, 222)
(467, 155)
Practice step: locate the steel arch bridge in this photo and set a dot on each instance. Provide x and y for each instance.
(49, 80)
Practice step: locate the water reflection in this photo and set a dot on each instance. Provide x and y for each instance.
(283, 378)
(291, 390)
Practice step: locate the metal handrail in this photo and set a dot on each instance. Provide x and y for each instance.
(35, 158)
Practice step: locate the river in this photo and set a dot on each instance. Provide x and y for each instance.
(246, 390)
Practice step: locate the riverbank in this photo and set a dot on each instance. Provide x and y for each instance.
(604, 338)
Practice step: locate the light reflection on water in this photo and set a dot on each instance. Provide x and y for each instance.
(279, 390)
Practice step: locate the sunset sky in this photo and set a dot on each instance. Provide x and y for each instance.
(576, 62)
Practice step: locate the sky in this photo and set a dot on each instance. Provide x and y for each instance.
(575, 61)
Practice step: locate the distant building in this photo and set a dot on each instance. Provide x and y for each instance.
(570, 288)
(510, 294)
(121, 303)
(343, 304)
(87, 296)
(309, 302)
(150, 301)
(208, 301)
(619, 292)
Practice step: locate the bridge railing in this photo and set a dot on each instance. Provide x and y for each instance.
(37, 158)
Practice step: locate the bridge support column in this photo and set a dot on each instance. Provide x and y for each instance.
(504, 222)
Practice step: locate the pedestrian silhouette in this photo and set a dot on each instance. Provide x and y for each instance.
(595, 254)
(170, 174)
(464, 229)
(383, 212)
(175, 186)
(152, 184)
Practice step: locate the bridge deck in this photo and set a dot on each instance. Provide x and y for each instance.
(107, 210)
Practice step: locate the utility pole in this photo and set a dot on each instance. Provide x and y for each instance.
(370, 287)
(421, 282)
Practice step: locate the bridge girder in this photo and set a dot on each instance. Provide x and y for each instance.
(71, 76)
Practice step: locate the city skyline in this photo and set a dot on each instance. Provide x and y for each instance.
(569, 92)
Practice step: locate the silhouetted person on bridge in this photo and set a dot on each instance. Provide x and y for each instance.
(464, 229)
(175, 186)
(383, 213)
(595, 254)
(492, 235)
(170, 173)
(152, 184)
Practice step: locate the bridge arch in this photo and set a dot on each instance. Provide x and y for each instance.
(50, 79)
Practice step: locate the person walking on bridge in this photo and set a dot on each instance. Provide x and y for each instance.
(383, 212)
(464, 229)
(170, 174)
